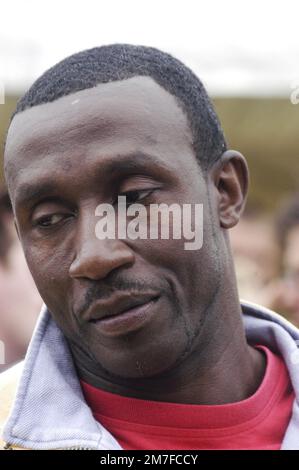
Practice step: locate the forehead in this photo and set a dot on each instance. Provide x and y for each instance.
(108, 120)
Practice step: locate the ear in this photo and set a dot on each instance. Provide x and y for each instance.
(230, 177)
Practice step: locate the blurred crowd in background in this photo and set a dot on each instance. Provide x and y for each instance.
(266, 254)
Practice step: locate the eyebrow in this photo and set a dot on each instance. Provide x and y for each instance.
(136, 161)
(28, 193)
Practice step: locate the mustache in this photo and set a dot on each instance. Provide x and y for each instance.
(103, 290)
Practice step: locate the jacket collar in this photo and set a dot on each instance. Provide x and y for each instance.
(50, 412)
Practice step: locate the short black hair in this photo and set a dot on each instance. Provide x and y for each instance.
(115, 62)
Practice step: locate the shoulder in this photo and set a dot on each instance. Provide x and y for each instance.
(8, 385)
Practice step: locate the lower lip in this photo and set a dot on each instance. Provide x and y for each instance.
(128, 321)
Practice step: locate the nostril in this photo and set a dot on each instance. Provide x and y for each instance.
(96, 262)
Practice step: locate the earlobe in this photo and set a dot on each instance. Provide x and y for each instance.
(231, 180)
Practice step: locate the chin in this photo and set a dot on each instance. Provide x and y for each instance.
(134, 365)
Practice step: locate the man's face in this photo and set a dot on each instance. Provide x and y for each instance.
(65, 158)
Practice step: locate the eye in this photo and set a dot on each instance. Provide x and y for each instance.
(136, 195)
(50, 220)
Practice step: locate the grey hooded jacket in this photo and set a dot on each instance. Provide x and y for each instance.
(49, 411)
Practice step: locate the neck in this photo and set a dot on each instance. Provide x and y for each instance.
(222, 368)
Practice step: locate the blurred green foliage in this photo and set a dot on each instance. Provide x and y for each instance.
(266, 131)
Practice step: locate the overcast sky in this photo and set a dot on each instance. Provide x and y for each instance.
(237, 47)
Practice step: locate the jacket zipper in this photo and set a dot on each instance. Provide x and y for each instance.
(11, 447)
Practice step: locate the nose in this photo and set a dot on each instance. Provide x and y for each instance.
(95, 258)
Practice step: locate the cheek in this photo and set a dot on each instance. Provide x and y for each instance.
(50, 273)
(46, 268)
(194, 274)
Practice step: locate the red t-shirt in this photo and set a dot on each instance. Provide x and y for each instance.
(259, 422)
